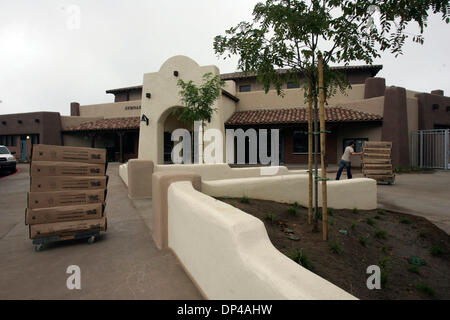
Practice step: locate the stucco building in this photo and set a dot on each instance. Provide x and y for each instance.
(139, 122)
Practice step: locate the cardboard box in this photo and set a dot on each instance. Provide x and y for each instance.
(67, 228)
(61, 183)
(42, 152)
(50, 168)
(68, 213)
(65, 198)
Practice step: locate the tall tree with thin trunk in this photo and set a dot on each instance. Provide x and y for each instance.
(198, 101)
(286, 38)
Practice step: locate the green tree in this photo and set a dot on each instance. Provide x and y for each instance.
(198, 100)
(287, 37)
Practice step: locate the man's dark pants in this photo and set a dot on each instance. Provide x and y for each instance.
(347, 165)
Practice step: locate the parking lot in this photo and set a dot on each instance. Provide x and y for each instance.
(123, 264)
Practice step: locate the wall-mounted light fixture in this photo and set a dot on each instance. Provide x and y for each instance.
(37, 120)
(145, 119)
(4, 123)
(28, 137)
(19, 121)
(148, 95)
(175, 73)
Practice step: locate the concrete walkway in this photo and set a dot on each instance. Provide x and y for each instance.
(124, 264)
(426, 195)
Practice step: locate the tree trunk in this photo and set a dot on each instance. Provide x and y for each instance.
(322, 151)
(310, 154)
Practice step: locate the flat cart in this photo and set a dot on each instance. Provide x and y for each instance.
(39, 243)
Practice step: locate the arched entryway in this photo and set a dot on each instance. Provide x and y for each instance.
(168, 122)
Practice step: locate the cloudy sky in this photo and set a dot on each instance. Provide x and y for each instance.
(53, 52)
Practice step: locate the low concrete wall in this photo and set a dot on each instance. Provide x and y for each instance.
(224, 171)
(358, 193)
(123, 173)
(228, 254)
(137, 174)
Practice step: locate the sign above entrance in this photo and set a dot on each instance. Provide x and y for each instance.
(133, 108)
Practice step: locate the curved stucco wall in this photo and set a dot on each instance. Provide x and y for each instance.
(224, 171)
(358, 193)
(123, 173)
(229, 255)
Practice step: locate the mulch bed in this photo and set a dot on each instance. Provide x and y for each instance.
(414, 255)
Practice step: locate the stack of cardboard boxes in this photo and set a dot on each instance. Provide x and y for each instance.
(68, 187)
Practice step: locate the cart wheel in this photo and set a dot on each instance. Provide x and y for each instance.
(91, 239)
(38, 247)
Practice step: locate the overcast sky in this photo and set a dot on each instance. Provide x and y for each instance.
(49, 57)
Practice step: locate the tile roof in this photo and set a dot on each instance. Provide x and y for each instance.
(238, 75)
(298, 115)
(107, 124)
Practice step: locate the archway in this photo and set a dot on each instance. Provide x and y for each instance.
(167, 123)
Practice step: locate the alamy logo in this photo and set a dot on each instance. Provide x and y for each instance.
(74, 280)
(374, 280)
(213, 140)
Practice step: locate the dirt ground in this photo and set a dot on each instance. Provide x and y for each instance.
(405, 237)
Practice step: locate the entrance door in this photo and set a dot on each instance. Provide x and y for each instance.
(23, 149)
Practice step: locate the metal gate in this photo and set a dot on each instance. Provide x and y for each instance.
(430, 149)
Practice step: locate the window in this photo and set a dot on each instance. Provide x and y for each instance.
(245, 88)
(9, 141)
(300, 140)
(448, 108)
(293, 85)
(359, 143)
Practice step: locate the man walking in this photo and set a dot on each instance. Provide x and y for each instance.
(345, 160)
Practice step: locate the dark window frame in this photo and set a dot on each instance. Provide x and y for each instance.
(293, 85)
(241, 88)
(359, 143)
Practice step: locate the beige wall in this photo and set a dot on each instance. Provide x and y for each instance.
(165, 98)
(292, 98)
(111, 110)
(76, 140)
(294, 188)
(229, 255)
(372, 105)
(357, 130)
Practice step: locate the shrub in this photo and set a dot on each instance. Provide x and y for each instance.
(270, 216)
(384, 263)
(370, 221)
(363, 241)
(414, 269)
(381, 234)
(331, 223)
(293, 211)
(422, 234)
(425, 288)
(381, 211)
(244, 199)
(299, 256)
(377, 217)
(384, 249)
(296, 205)
(405, 221)
(355, 210)
(336, 247)
(330, 211)
(353, 226)
(436, 251)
